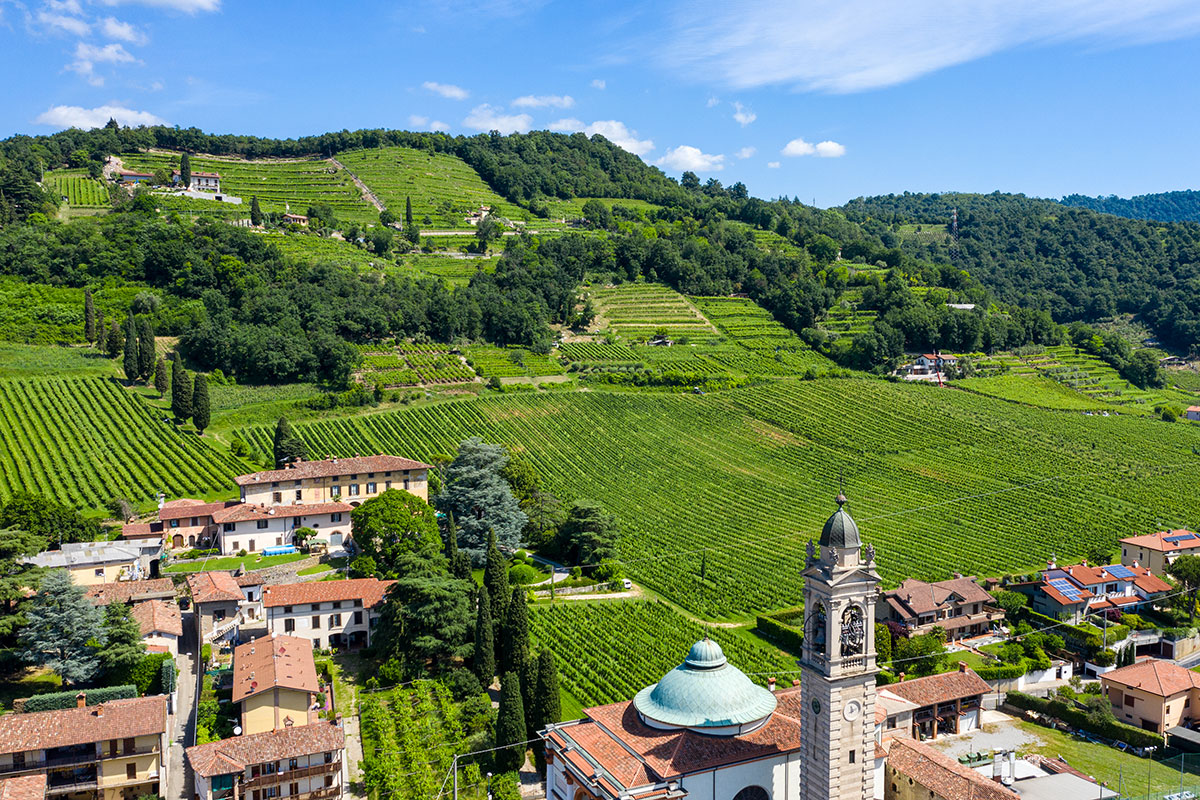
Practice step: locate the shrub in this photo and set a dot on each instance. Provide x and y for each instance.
(147, 673)
(991, 672)
(55, 701)
(785, 636)
(1109, 728)
(522, 574)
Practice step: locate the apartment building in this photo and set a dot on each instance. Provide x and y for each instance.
(275, 683)
(92, 563)
(110, 751)
(349, 480)
(219, 604)
(296, 763)
(338, 614)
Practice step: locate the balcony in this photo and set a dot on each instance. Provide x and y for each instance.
(325, 793)
(73, 785)
(284, 776)
(69, 760)
(137, 751)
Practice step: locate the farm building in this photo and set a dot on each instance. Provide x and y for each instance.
(1073, 591)
(958, 606)
(1193, 413)
(1157, 551)
(295, 219)
(200, 181)
(130, 176)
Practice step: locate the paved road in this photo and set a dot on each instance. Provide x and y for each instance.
(184, 734)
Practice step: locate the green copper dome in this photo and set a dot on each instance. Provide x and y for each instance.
(705, 693)
(840, 530)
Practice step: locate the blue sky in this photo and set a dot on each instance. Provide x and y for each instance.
(824, 100)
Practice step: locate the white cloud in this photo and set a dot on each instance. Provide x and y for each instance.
(829, 149)
(567, 125)
(856, 45)
(686, 157)
(713, 101)
(773, 165)
(798, 147)
(114, 28)
(599, 83)
(613, 130)
(544, 101)
(186, 6)
(65, 6)
(157, 86)
(746, 152)
(447, 90)
(490, 118)
(88, 55)
(743, 115)
(438, 125)
(418, 29)
(417, 120)
(64, 23)
(79, 117)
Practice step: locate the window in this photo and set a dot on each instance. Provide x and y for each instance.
(271, 791)
(293, 764)
(276, 497)
(317, 643)
(371, 487)
(18, 759)
(406, 484)
(329, 758)
(295, 483)
(853, 753)
(287, 609)
(218, 615)
(329, 780)
(316, 623)
(293, 789)
(891, 723)
(335, 620)
(270, 768)
(387, 474)
(370, 474)
(128, 745)
(274, 484)
(358, 618)
(335, 490)
(174, 523)
(229, 527)
(335, 517)
(130, 771)
(100, 572)
(262, 524)
(353, 489)
(1129, 699)
(289, 625)
(352, 477)
(752, 793)
(337, 603)
(299, 495)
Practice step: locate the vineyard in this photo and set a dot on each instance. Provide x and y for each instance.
(751, 326)
(78, 189)
(455, 271)
(443, 188)
(511, 362)
(39, 314)
(636, 311)
(409, 364)
(1031, 389)
(86, 440)
(276, 184)
(939, 480)
(607, 651)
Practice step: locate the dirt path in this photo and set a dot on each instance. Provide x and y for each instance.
(367, 193)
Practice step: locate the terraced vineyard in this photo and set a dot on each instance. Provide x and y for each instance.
(78, 189)
(635, 311)
(1031, 389)
(442, 187)
(845, 318)
(939, 480)
(277, 184)
(608, 650)
(85, 440)
(456, 271)
(752, 326)
(511, 362)
(409, 364)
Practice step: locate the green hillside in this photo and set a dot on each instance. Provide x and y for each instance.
(442, 186)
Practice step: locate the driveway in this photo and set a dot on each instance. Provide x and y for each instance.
(184, 733)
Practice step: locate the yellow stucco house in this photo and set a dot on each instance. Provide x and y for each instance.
(1153, 694)
(275, 682)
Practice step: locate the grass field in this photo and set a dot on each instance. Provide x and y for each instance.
(455, 271)
(939, 480)
(312, 249)
(77, 188)
(635, 311)
(277, 184)
(442, 187)
(250, 562)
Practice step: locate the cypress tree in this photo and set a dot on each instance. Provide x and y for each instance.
(181, 393)
(287, 445)
(408, 221)
(529, 674)
(89, 316)
(160, 378)
(185, 170)
(255, 212)
(101, 333)
(484, 662)
(510, 725)
(146, 352)
(514, 639)
(130, 361)
(200, 412)
(113, 342)
(495, 578)
(548, 706)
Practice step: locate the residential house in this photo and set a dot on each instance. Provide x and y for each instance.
(928, 363)
(350, 480)
(133, 176)
(218, 600)
(200, 181)
(131, 591)
(251, 584)
(186, 522)
(958, 606)
(90, 563)
(160, 623)
(295, 219)
(110, 751)
(298, 763)
(258, 528)
(1192, 413)
(1071, 592)
(916, 771)
(23, 787)
(1157, 551)
(946, 703)
(1153, 694)
(338, 614)
(275, 683)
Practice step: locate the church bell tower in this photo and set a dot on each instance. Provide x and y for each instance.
(837, 664)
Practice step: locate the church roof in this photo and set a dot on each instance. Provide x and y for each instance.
(705, 691)
(840, 530)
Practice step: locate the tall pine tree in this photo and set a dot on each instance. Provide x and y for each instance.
(123, 648)
(287, 445)
(181, 393)
(89, 316)
(130, 360)
(495, 578)
(408, 218)
(60, 625)
(255, 212)
(510, 725)
(514, 639)
(161, 384)
(200, 410)
(146, 353)
(548, 702)
(185, 170)
(484, 661)
(529, 674)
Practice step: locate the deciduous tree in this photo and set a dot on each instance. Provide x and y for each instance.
(48, 519)
(394, 526)
(588, 536)
(61, 626)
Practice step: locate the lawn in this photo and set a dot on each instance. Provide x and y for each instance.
(317, 569)
(251, 562)
(29, 683)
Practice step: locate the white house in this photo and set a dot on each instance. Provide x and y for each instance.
(328, 613)
(254, 528)
(350, 480)
(205, 181)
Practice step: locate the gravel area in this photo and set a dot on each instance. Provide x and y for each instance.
(1000, 732)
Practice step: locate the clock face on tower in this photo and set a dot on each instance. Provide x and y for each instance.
(852, 711)
(816, 706)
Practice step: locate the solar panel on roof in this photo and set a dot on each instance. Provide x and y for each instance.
(1068, 589)
(1120, 571)
(1183, 537)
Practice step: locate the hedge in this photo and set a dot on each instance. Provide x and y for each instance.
(1081, 637)
(786, 637)
(1002, 671)
(56, 701)
(1109, 729)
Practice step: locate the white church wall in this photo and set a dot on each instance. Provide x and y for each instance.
(776, 775)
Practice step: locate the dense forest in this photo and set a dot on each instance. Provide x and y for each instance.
(1164, 207)
(1074, 263)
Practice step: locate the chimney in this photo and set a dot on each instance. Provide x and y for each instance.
(99, 710)
(1012, 766)
(795, 681)
(998, 767)
(962, 666)
(771, 683)
(81, 700)
(901, 677)
(956, 574)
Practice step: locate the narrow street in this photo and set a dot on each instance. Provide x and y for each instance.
(183, 735)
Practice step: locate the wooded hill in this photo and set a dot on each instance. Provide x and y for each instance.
(1165, 206)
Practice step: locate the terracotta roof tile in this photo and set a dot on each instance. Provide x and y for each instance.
(330, 467)
(244, 512)
(941, 688)
(1161, 678)
(250, 579)
(142, 530)
(25, 787)
(214, 587)
(235, 755)
(179, 509)
(116, 719)
(1158, 541)
(920, 597)
(369, 590)
(271, 662)
(157, 616)
(126, 591)
(942, 775)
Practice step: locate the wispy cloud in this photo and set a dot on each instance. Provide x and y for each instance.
(826, 149)
(599, 83)
(447, 90)
(64, 23)
(79, 117)
(490, 118)
(773, 165)
(686, 157)
(743, 115)
(856, 45)
(186, 6)
(614, 130)
(114, 28)
(746, 152)
(88, 55)
(416, 120)
(438, 125)
(544, 101)
(713, 101)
